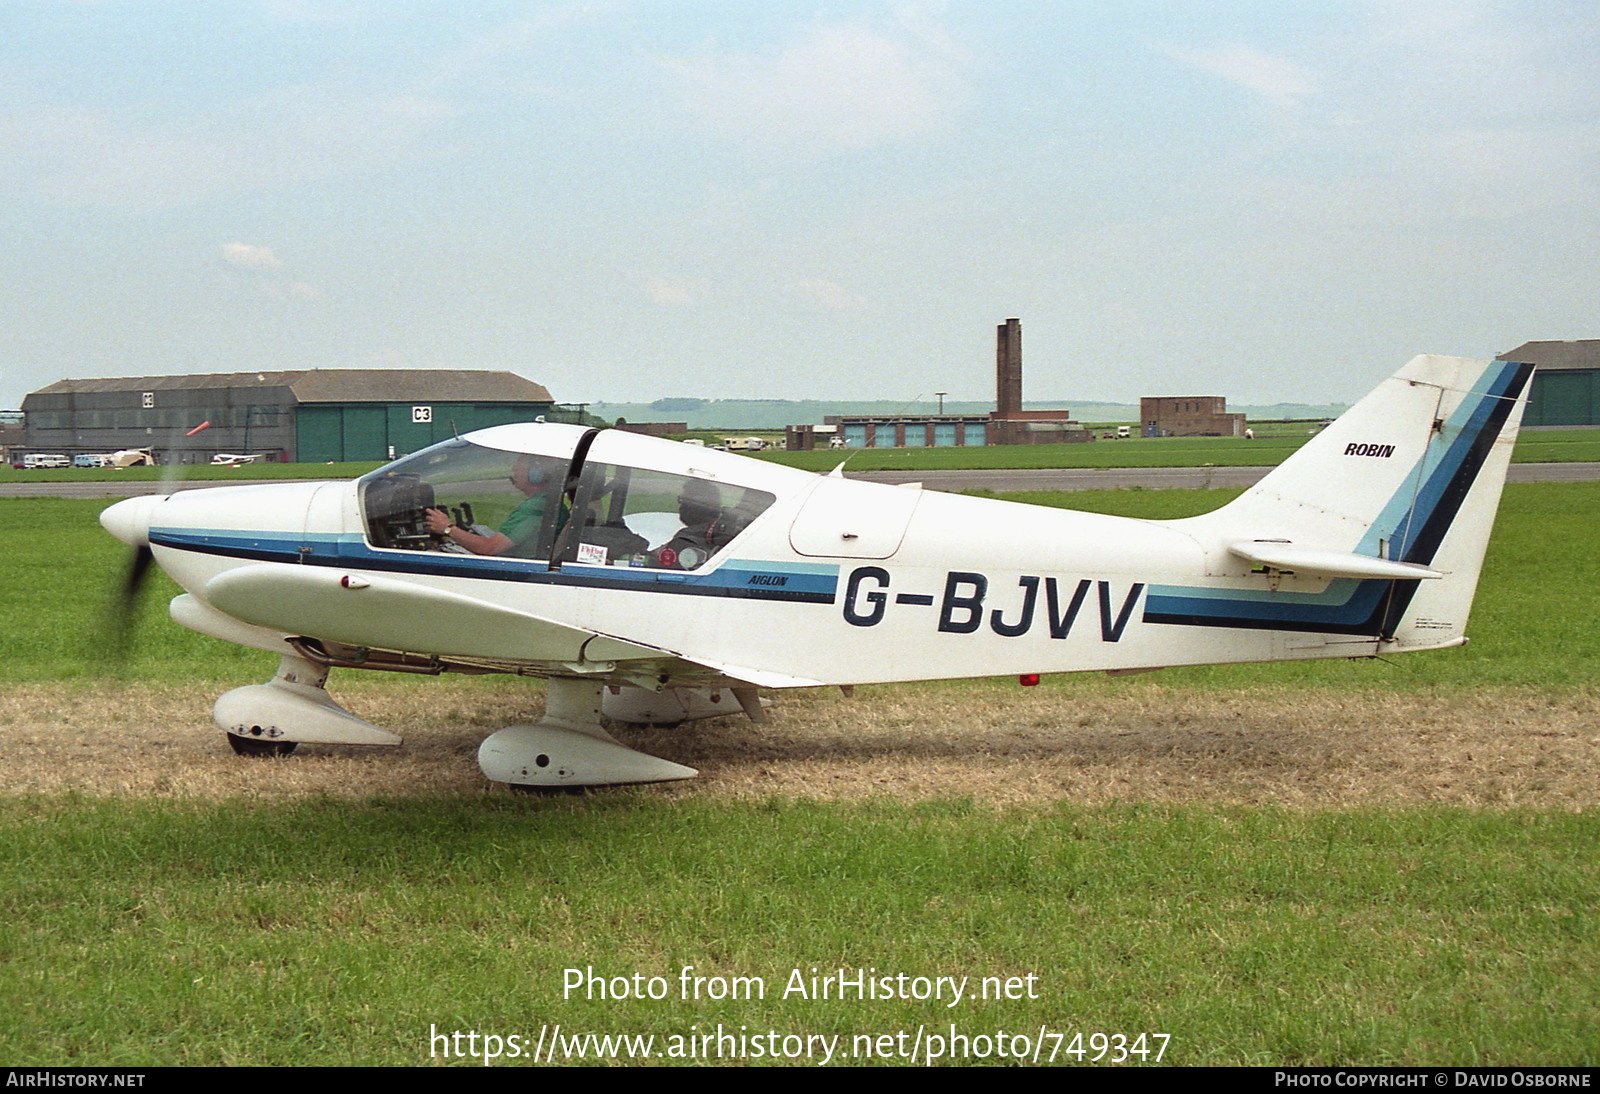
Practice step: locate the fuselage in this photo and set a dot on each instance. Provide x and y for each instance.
(822, 580)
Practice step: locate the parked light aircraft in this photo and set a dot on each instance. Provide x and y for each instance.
(652, 582)
(133, 457)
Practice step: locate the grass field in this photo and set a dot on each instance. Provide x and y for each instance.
(1336, 863)
(324, 932)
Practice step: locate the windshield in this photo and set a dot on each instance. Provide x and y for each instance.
(472, 488)
(466, 498)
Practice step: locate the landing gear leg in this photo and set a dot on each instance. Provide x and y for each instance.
(270, 719)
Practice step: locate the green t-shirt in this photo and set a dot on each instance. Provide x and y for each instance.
(521, 525)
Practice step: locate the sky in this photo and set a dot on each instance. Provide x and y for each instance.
(1271, 200)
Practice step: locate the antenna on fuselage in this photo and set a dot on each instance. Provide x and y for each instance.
(905, 411)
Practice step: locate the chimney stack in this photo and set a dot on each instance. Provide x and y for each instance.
(1008, 369)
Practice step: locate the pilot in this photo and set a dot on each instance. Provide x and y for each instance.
(706, 530)
(537, 477)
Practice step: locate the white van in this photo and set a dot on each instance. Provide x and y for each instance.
(45, 459)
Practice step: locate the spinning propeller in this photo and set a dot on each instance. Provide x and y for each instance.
(129, 521)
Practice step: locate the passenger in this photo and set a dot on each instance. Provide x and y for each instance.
(704, 530)
(537, 477)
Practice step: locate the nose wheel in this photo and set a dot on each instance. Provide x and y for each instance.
(270, 719)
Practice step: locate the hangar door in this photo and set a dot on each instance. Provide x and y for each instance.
(339, 433)
(1564, 398)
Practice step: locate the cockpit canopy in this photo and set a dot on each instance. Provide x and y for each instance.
(553, 494)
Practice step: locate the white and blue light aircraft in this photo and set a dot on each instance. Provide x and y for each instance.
(651, 582)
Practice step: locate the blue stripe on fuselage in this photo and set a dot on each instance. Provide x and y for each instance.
(743, 578)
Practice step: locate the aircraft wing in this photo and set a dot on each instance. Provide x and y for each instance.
(400, 615)
(382, 613)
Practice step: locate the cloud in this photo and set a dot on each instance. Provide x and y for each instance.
(1281, 81)
(503, 48)
(112, 158)
(293, 290)
(316, 12)
(1464, 173)
(829, 295)
(1429, 111)
(267, 271)
(250, 257)
(677, 292)
(840, 86)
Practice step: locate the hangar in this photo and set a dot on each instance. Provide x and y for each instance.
(1566, 381)
(305, 416)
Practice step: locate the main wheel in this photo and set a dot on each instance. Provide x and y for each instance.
(253, 746)
(544, 791)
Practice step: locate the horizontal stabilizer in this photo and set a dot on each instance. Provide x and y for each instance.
(1280, 554)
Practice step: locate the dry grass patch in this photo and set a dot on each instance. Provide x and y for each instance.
(1480, 748)
(993, 744)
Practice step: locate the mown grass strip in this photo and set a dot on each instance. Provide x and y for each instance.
(324, 933)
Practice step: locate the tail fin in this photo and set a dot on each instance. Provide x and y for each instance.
(1412, 475)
